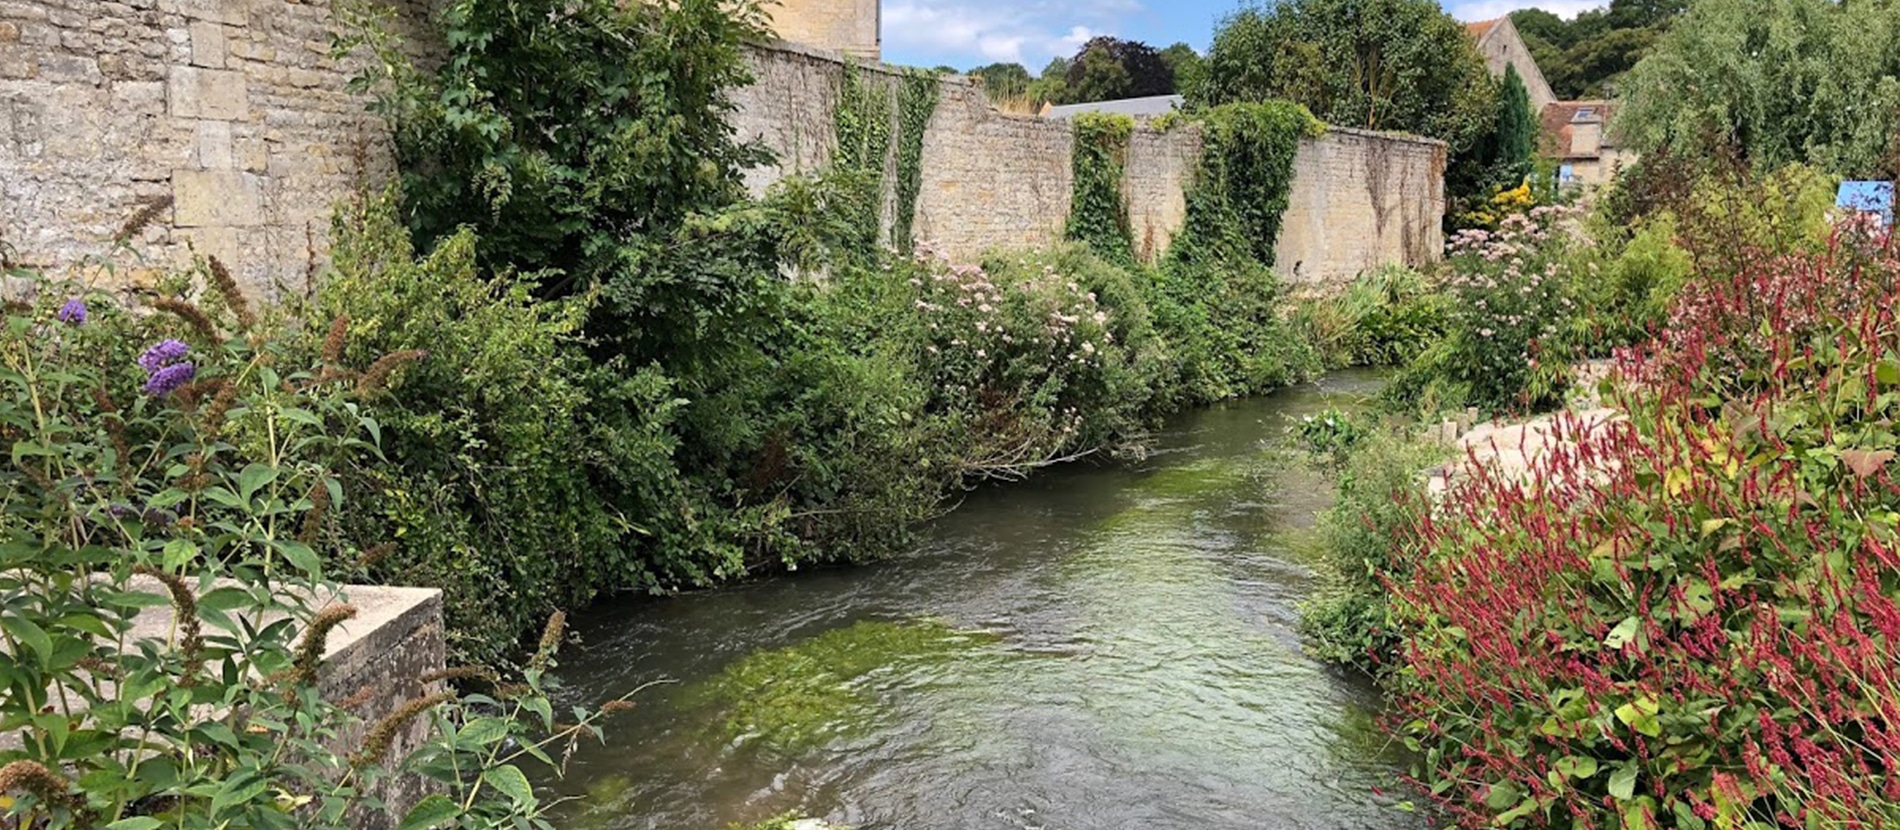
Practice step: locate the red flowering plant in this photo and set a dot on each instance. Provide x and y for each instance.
(1686, 617)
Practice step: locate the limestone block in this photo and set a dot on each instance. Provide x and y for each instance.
(209, 93)
(214, 145)
(207, 44)
(217, 198)
(9, 32)
(233, 12)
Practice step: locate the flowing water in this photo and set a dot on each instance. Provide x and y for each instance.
(1098, 648)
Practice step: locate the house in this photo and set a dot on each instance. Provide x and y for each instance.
(1501, 45)
(850, 27)
(1573, 134)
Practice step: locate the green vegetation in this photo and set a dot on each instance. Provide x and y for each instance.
(157, 449)
(1587, 56)
(1098, 215)
(1772, 83)
(794, 698)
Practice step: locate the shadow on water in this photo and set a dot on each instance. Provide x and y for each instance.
(1100, 647)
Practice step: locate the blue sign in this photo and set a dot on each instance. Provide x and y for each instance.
(1871, 197)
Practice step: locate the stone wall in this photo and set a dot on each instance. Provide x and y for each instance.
(851, 27)
(231, 109)
(993, 180)
(234, 115)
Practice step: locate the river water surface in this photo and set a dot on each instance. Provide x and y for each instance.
(1101, 647)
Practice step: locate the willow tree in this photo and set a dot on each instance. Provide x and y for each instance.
(1774, 81)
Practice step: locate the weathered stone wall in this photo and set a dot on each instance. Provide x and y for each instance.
(235, 111)
(232, 109)
(848, 26)
(993, 180)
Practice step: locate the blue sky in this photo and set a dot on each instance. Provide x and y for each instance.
(967, 33)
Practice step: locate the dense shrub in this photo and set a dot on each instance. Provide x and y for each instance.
(517, 464)
(196, 458)
(1385, 317)
(1690, 619)
(1511, 300)
(1367, 537)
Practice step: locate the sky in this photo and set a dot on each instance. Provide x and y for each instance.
(969, 33)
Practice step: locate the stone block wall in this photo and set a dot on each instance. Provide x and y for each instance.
(236, 116)
(993, 180)
(851, 27)
(233, 110)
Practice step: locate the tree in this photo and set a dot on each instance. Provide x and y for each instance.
(1004, 81)
(1774, 81)
(1109, 69)
(1376, 64)
(1586, 56)
(1516, 135)
(1186, 65)
(1052, 85)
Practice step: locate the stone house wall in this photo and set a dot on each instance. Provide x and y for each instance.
(850, 27)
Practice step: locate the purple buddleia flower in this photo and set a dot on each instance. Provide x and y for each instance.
(74, 312)
(169, 378)
(166, 353)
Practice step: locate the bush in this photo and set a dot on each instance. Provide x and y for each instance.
(520, 470)
(1511, 301)
(1690, 621)
(1368, 539)
(195, 458)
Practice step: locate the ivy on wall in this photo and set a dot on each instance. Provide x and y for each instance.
(872, 118)
(1239, 195)
(1098, 217)
(917, 104)
(862, 120)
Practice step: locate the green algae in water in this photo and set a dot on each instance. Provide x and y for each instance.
(798, 697)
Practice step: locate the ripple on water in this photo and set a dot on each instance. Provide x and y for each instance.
(1098, 648)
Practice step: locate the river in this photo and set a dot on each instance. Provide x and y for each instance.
(1101, 647)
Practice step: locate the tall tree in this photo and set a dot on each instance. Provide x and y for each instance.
(1108, 69)
(1186, 64)
(1377, 64)
(1778, 81)
(1004, 81)
(1516, 130)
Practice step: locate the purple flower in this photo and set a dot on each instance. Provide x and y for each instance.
(168, 378)
(166, 353)
(74, 312)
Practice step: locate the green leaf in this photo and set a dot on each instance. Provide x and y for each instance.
(254, 477)
(511, 782)
(300, 556)
(1640, 715)
(1503, 794)
(29, 634)
(1887, 372)
(135, 823)
(1576, 766)
(1623, 633)
(430, 812)
(178, 553)
(1623, 782)
(484, 731)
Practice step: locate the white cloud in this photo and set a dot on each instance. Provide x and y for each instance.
(1476, 10)
(1030, 33)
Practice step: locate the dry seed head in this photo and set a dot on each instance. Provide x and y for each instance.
(233, 296)
(376, 554)
(46, 785)
(357, 700)
(313, 518)
(141, 219)
(377, 377)
(550, 641)
(310, 651)
(185, 610)
(192, 315)
(221, 401)
(334, 341)
(376, 743)
(614, 707)
(457, 673)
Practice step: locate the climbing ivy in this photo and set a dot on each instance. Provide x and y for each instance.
(862, 120)
(1239, 195)
(1098, 217)
(917, 104)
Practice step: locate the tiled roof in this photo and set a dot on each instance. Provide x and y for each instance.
(1559, 120)
(1481, 28)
